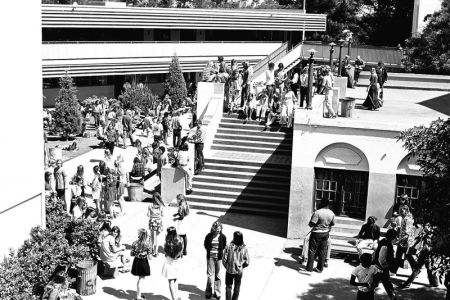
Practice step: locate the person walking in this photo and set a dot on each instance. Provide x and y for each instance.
(235, 259)
(245, 84)
(422, 248)
(155, 213)
(382, 77)
(372, 100)
(127, 122)
(111, 137)
(180, 217)
(140, 249)
(173, 249)
(321, 222)
(384, 260)
(198, 139)
(215, 242)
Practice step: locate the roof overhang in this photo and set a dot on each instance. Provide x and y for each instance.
(85, 16)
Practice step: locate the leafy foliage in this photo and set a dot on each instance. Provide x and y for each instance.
(23, 275)
(136, 95)
(430, 52)
(175, 85)
(431, 146)
(67, 117)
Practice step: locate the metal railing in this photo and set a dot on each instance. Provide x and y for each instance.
(259, 68)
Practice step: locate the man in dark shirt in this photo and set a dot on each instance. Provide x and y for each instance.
(127, 122)
(359, 66)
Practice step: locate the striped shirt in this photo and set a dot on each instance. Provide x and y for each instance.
(215, 247)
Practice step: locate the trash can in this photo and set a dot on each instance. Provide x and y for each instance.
(347, 106)
(135, 192)
(87, 277)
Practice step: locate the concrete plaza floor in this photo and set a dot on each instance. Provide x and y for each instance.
(274, 272)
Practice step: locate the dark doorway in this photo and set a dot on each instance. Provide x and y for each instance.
(346, 190)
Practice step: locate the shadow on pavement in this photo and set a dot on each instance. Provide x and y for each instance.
(194, 292)
(440, 104)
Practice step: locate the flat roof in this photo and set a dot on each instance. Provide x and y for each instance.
(402, 109)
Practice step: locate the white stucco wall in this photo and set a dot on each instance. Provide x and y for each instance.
(383, 154)
(22, 149)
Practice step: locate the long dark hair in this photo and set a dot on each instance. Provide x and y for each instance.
(173, 246)
(238, 239)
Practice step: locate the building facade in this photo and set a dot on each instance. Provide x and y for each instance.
(101, 47)
(22, 152)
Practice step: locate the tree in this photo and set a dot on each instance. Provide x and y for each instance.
(431, 147)
(68, 118)
(175, 86)
(431, 50)
(136, 95)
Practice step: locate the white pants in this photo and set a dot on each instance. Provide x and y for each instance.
(328, 104)
(188, 175)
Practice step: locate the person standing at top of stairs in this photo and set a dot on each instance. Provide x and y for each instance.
(198, 139)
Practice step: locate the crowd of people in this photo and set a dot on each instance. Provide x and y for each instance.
(234, 256)
(407, 239)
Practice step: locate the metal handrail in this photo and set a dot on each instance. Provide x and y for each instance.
(272, 56)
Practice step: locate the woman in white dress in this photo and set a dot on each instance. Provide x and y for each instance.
(173, 249)
(289, 102)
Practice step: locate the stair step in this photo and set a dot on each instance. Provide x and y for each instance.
(254, 127)
(232, 195)
(197, 198)
(234, 119)
(268, 133)
(238, 209)
(251, 150)
(349, 221)
(348, 236)
(253, 144)
(246, 175)
(242, 181)
(243, 168)
(237, 163)
(248, 137)
(239, 188)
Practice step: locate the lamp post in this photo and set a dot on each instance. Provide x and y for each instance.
(331, 54)
(310, 78)
(350, 40)
(341, 44)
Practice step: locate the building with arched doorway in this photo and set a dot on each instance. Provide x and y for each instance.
(357, 163)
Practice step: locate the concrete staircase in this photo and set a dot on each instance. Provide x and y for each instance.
(344, 234)
(247, 170)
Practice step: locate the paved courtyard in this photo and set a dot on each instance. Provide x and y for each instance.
(274, 271)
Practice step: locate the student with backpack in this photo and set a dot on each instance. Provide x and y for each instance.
(385, 261)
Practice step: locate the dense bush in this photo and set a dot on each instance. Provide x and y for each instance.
(136, 95)
(23, 275)
(67, 116)
(175, 85)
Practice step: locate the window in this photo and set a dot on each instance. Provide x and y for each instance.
(411, 186)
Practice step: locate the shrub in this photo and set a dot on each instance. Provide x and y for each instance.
(175, 86)
(136, 95)
(67, 117)
(23, 275)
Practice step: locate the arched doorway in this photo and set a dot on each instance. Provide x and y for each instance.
(341, 175)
